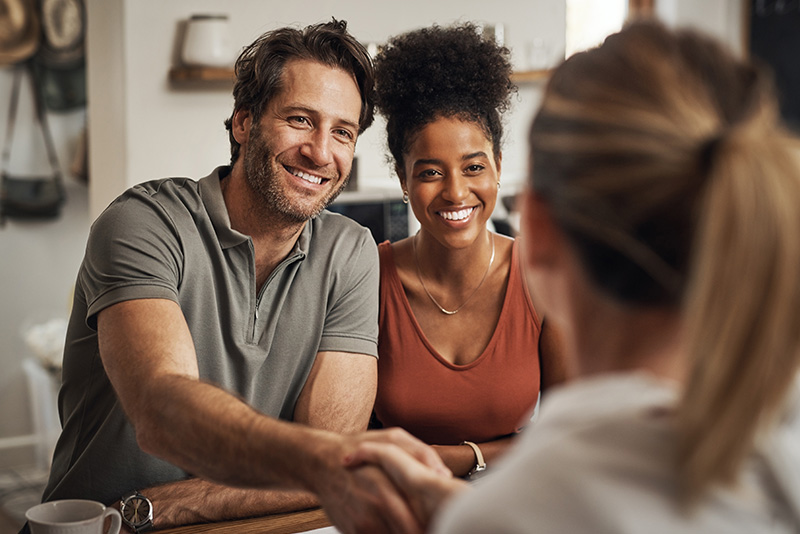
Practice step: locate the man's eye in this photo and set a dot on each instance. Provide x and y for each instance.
(344, 133)
(298, 120)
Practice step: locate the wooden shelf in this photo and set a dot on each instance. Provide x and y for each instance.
(530, 76)
(201, 75)
(218, 75)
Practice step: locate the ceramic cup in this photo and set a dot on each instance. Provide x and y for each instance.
(72, 516)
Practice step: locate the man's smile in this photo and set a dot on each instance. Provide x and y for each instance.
(310, 178)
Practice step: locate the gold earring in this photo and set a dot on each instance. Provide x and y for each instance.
(405, 196)
(498, 185)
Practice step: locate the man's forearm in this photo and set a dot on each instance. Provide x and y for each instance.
(148, 354)
(198, 501)
(217, 437)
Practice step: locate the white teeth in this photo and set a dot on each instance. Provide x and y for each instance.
(456, 215)
(307, 177)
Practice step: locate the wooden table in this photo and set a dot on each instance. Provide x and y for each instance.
(290, 523)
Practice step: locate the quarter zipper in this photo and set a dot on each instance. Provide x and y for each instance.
(275, 271)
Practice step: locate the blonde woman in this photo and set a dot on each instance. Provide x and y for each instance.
(662, 233)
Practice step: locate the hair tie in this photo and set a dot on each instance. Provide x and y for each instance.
(708, 151)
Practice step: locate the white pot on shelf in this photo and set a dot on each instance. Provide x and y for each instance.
(207, 42)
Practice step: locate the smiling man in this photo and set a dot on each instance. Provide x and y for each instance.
(213, 316)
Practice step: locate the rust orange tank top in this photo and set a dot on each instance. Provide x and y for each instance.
(445, 404)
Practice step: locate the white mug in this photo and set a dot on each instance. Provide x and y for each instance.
(72, 516)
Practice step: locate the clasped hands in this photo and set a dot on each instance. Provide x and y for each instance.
(391, 482)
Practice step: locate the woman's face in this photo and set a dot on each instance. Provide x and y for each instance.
(451, 175)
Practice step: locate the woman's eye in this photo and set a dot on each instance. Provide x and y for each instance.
(429, 173)
(474, 169)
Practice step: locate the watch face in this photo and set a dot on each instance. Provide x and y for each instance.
(136, 511)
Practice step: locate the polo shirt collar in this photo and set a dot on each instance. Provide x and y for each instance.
(211, 194)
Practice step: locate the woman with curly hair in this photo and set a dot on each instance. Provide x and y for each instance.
(463, 351)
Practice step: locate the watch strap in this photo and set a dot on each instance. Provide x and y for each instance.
(480, 463)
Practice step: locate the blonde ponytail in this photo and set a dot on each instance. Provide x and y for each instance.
(679, 189)
(742, 304)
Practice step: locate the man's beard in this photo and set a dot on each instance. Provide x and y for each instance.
(262, 177)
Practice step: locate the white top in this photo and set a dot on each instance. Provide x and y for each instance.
(600, 460)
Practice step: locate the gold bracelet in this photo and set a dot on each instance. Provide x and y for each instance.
(480, 464)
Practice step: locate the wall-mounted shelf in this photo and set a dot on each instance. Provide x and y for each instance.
(530, 76)
(200, 75)
(216, 75)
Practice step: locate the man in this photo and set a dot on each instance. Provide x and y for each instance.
(204, 311)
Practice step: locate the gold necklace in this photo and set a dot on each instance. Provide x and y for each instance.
(419, 275)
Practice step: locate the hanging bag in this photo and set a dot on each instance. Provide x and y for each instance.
(36, 197)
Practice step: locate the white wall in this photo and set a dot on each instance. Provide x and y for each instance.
(720, 18)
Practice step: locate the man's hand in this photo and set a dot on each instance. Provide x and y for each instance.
(423, 482)
(363, 499)
(418, 450)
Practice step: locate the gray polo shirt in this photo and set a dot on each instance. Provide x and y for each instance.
(172, 239)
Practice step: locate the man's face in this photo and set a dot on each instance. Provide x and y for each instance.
(299, 155)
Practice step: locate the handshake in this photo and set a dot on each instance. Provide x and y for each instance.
(387, 481)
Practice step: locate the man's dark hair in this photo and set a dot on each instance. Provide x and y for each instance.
(259, 68)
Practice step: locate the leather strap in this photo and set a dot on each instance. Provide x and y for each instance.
(41, 120)
(480, 464)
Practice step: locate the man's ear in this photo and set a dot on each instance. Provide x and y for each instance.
(542, 236)
(240, 126)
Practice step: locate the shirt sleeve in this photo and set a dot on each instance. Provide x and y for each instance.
(133, 252)
(351, 324)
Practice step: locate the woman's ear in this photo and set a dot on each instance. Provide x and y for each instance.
(242, 121)
(401, 175)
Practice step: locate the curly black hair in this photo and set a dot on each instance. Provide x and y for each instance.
(435, 72)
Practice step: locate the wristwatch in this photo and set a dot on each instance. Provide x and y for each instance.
(136, 511)
(480, 464)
